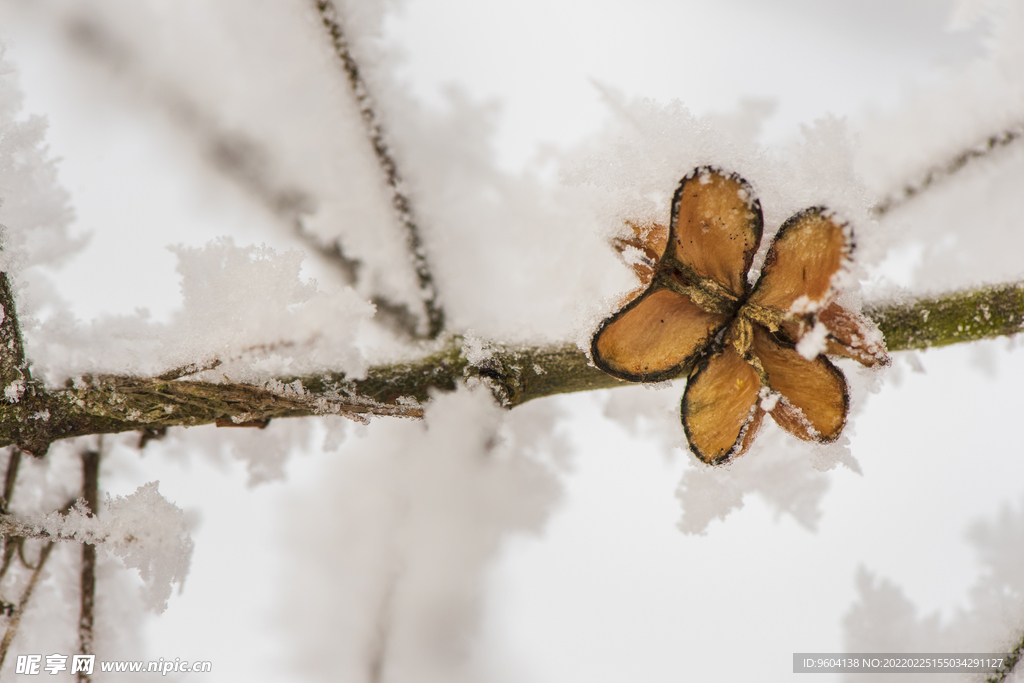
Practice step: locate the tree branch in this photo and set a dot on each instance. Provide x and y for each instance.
(1007, 668)
(109, 404)
(996, 311)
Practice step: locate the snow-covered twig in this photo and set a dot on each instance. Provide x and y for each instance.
(937, 173)
(144, 529)
(241, 158)
(399, 200)
(1009, 664)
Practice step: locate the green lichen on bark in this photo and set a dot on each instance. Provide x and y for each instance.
(952, 318)
(110, 404)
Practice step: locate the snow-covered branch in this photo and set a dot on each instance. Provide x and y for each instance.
(111, 404)
(144, 529)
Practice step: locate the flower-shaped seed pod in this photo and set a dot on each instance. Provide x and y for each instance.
(749, 350)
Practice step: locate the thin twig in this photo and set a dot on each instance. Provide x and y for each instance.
(15, 618)
(239, 157)
(10, 477)
(10, 542)
(943, 171)
(90, 493)
(331, 20)
(190, 369)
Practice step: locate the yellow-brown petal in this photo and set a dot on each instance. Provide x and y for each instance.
(716, 227)
(852, 336)
(720, 409)
(814, 401)
(808, 251)
(655, 337)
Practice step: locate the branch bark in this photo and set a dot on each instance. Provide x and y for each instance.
(115, 403)
(1009, 664)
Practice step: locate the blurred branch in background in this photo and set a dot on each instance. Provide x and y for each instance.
(250, 165)
(936, 174)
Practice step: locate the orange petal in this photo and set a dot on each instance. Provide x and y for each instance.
(808, 251)
(655, 337)
(716, 227)
(720, 410)
(814, 401)
(852, 336)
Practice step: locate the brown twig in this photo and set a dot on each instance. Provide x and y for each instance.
(1012, 660)
(15, 619)
(90, 493)
(11, 543)
(331, 21)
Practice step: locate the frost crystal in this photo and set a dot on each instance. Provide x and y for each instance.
(476, 350)
(144, 529)
(14, 390)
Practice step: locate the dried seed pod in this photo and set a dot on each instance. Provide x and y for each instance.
(654, 337)
(753, 349)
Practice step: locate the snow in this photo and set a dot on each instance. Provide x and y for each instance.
(814, 342)
(406, 529)
(884, 619)
(414, 515)
(144, 529)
